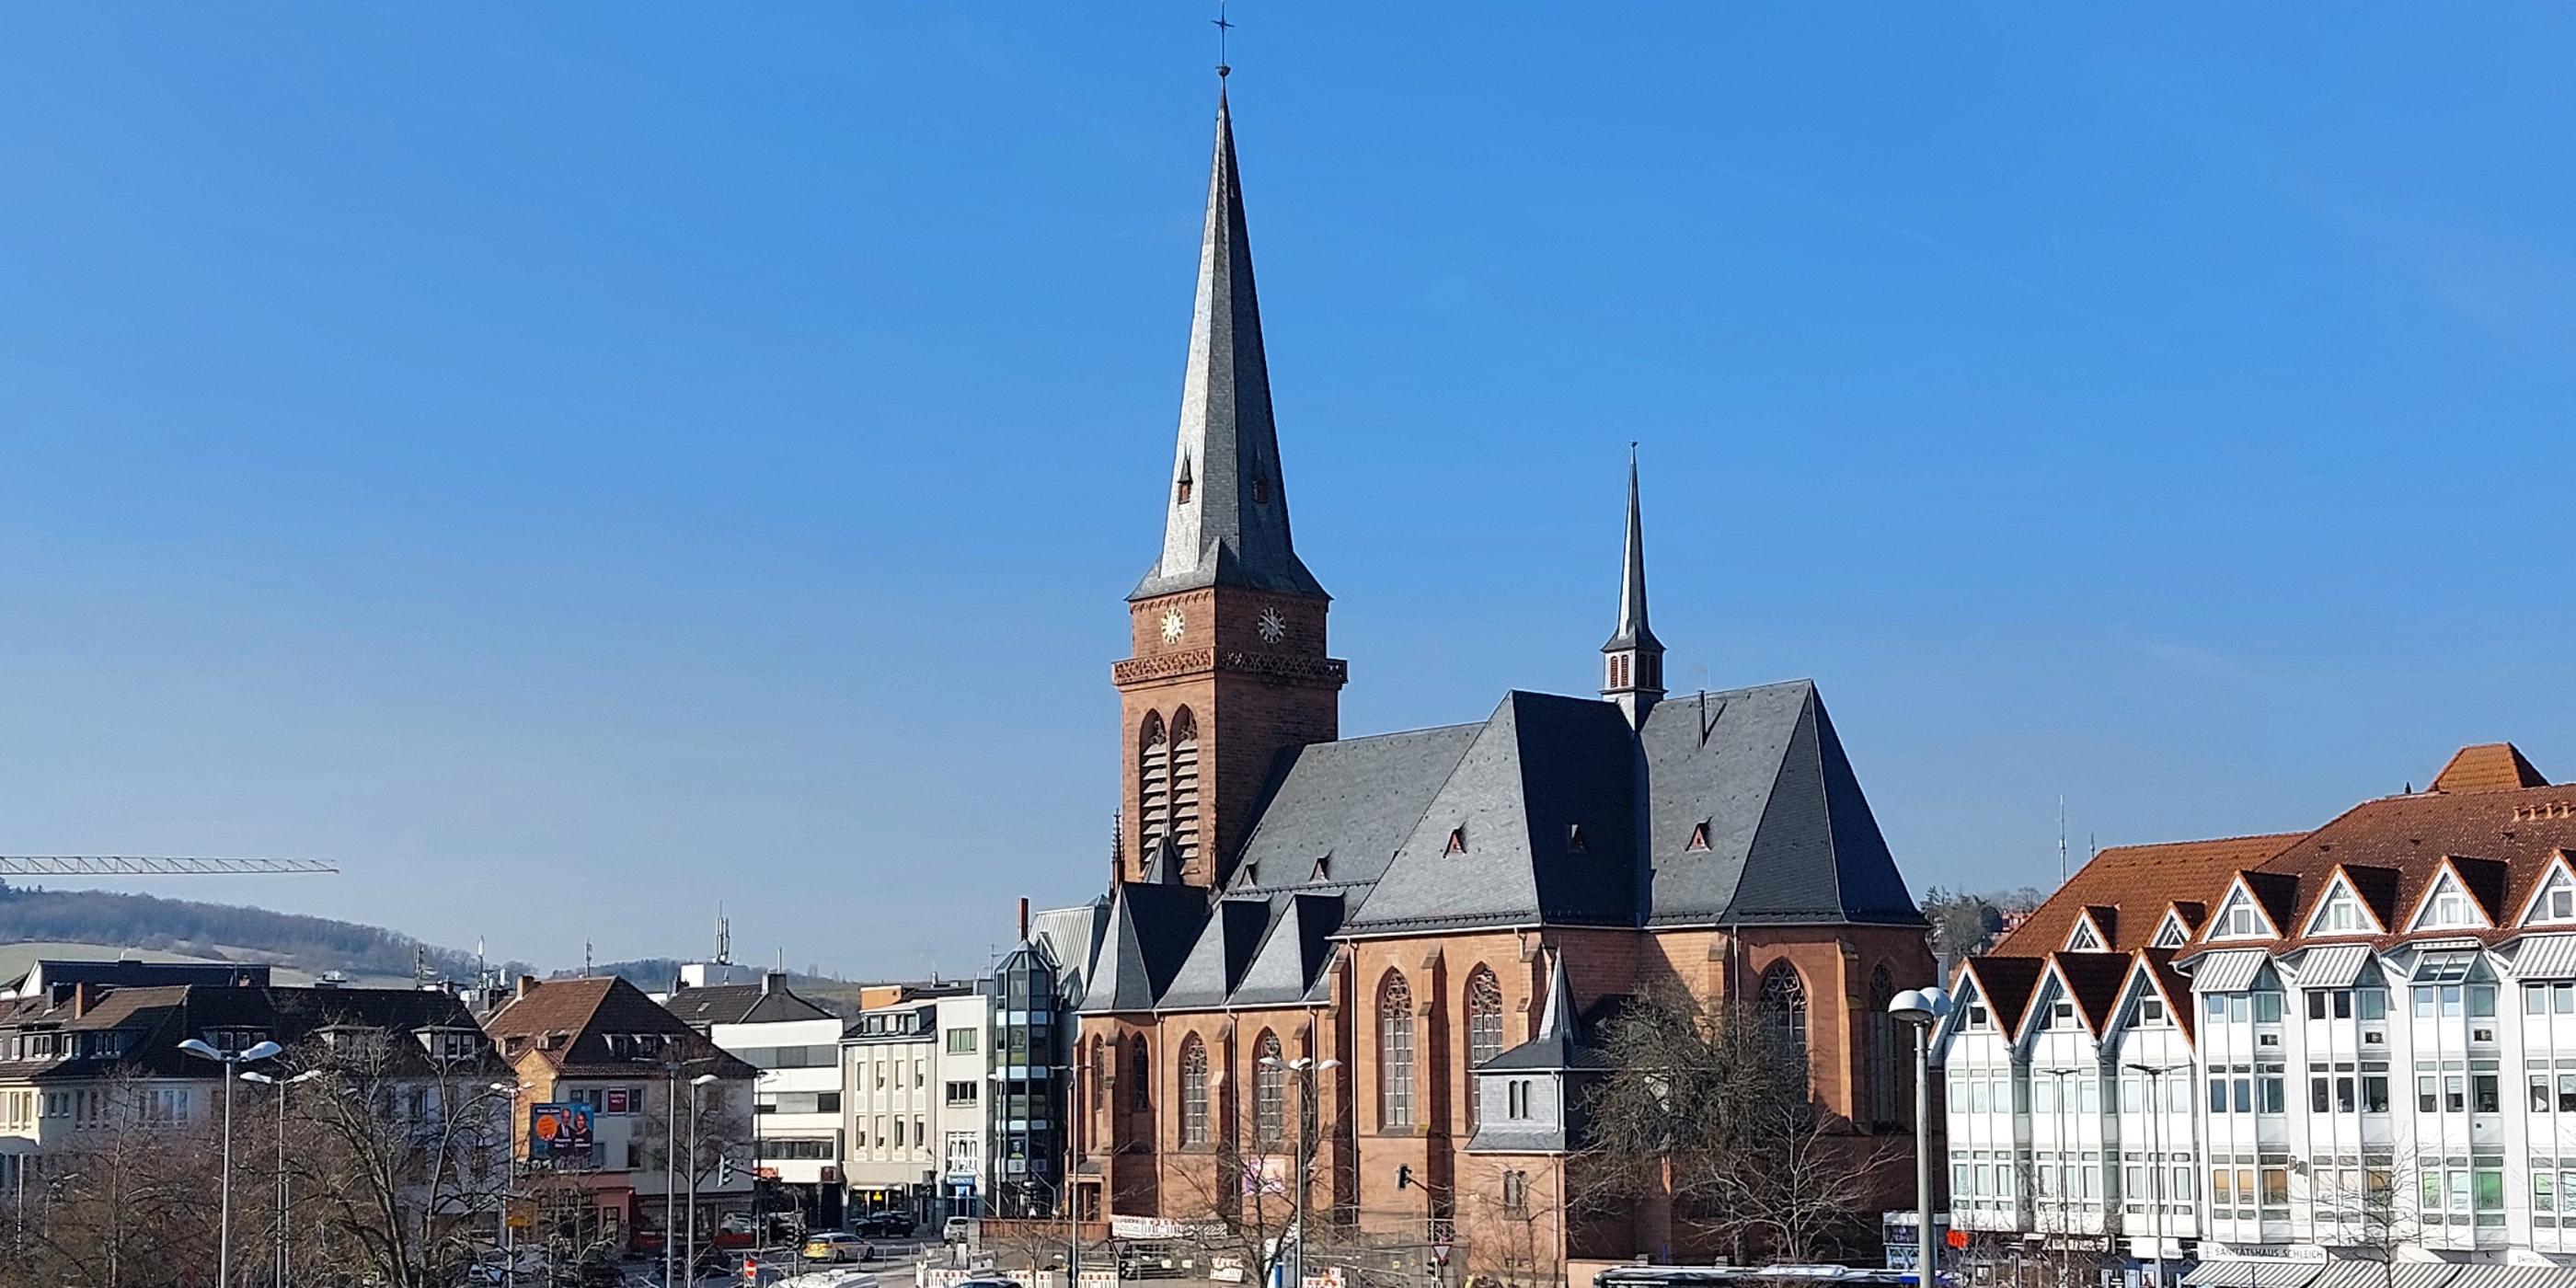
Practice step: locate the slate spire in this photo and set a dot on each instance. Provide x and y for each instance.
(1632, 662)
(1226, 516)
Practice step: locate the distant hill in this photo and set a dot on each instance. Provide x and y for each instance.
(64, 922)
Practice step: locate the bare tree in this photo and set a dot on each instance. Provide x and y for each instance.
(1710, 1106)
(1512, 1216)
(2359, 1208)
(400, 1167)
(130, 1197)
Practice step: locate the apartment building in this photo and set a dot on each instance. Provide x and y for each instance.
(667, 1113)
(796, 1101)
(2343, 1058)
(90, 1052)
(894, 1155)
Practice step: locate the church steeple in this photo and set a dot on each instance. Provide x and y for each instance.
(1226, 516)
(1632, 662)
(1229, 666)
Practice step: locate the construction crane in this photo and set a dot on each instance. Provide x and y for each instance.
(128, 865)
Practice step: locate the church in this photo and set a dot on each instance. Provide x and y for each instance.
(1400, 947)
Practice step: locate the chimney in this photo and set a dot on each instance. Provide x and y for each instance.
(1024, 919)
(527, 985)
(770, 981)
(84, 996)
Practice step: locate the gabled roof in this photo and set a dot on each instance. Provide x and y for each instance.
(1791, 838)
(568, 1023)
(1151, 930)
(2143, 879)
(1224, 952)
(700, 1008)
(2093, 981)
(1289, 966)
(2007, 984)
(2157, 964)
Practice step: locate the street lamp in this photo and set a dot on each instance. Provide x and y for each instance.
(509, 1187)
(1305, 1067)
(285, 1194)
(697, 1086)
(232, 1062)
(2156, 1151)
(1922, 1008)
(670, 1154)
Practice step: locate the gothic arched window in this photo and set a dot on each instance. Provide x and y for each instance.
(1140, 1093)
(1394, 1053)
(1185, 787)
(1194, 1091)
(1784, 1010)
(1881, 1044)
(1153, 790)
(1484, 1028)
(1269, 1088)
(1098, 1074)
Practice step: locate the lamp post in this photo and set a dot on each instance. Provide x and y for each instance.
(509, 1091)
(2155, 1074)
(697, 1088)
(232, 1062)
(1305, 1067)
(1920, 1009)
(285, 1192)
(671, 1156)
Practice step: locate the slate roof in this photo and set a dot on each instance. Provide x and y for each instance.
(1552, 811)
(700, 1008)
(1229, 525)
(152, 1020)
(1790, 835)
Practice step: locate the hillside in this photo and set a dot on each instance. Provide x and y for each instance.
(93, 923)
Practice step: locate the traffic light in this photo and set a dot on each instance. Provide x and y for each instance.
(1403, 1175)
(724, 1170)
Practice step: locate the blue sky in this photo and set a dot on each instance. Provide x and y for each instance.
(574, 464)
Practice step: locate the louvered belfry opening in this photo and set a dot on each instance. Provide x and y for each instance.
(1185, 788)
(1153, 789)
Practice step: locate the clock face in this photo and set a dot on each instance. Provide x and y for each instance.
(1273, 626)
(1172, 623)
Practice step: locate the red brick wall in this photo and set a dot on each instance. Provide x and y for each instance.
(1244, 718)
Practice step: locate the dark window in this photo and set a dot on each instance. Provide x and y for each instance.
(1269, 1089)
(1194, 1091)
(1484, 1026)
(1395, 1053)
(1784, 1009)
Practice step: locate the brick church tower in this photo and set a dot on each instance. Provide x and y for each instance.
(1228, 666)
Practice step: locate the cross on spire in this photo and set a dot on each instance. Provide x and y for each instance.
(1222, 27)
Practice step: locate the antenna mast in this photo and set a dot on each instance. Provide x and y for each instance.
(2061, 838)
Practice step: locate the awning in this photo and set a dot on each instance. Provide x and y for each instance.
(2513, 1276)
(2336, 967)
(2229, 971)
(2421, 1274)
(2546, 957)
(2253, 1272)
(2353, 1274)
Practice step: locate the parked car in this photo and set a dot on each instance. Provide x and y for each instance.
(957, 1229)
(883, 1225)
(835, 1246)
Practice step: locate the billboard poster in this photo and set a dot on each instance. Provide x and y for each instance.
(559, 1133)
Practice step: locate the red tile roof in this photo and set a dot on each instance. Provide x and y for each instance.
(2140, 880)
(2491, 816)
(2487, 767)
